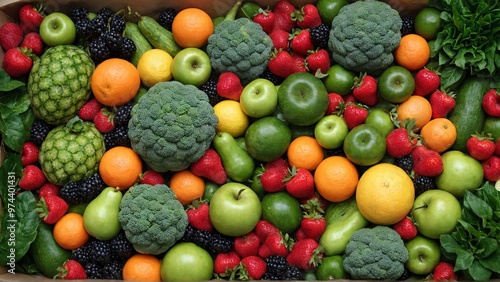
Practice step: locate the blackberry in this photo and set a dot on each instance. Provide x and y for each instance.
(127, 48)
(93, 270)
(406, 163)
(112, 270)
(167, 17)
(70, 192)
(408, 25)
(117, 137)
(99, 26)
(105, 13)
(82, 255)
(213, 242)
(98, 50)
(78, 14)
(101, 251)
(121, 247)
(293, 273)
(91, 187)
(210, 88)
(112, 39)
(406, 275)
(276, 267)
(422, 184)
(320, 35)
(83, 28)
(39, 131)
(267, 74)
(117, 24)
(220, 243)
(122, 115)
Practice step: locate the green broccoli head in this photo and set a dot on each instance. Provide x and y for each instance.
(239, 46)
(363, 36)
(172, 126)
(152, 218)
(375, 253)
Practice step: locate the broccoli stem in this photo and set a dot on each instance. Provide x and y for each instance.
(231, 15)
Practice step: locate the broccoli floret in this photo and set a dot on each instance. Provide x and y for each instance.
(172, 126)
(375, 253)
(363, 36)
(152, 218)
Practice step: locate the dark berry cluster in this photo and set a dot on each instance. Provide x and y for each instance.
(279, 269)
(214, 242)
(167, 18)
(82, 191)
(210, 88)
(39, 131)
(408, 25)
(319, 36)
(119, 135)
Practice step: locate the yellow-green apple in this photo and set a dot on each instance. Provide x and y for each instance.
(259, 98)
(191, 66)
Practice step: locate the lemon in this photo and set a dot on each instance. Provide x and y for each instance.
(231, 117)
(155, 66)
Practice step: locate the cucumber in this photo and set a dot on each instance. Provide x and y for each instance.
(158, 36)
(468, 115)
(47, 254)
(142, 44)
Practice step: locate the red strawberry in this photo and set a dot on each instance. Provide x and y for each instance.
(335, 100)
(280, 39)
(480, 147)
(199, 215)
(11, 35)
(426, 162)
(281, 64)
(301, 42)
(210, 167)
(71, 270)
(266, 19)
(30, 18)
(275, 244)
(405, 228)
(151, 177)
(299, 234)
(354, 114)
(283, 11)
(313, 226)
(251, 268)
(315, 203)
(307, 17)
(29, 153)
(273, 180)
(229, 86)
(300, 183)
(318, 61)
(32, 178)
(400, 141)
(442, 103)
(305, 254)
(349, 98)
(104, 121)
(444, 271)
(299, 63)
(278, 163)
(491, 103)
(48, 189)
(365, 90)
(17, 62)
(263, 229)
(51, 208)
(90, 109)
(33, 41)
(491, 168)
(426, 82)
(225, 263)
(284, 7)
(247, 245)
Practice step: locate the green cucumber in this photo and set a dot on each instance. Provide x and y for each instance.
(468, 115)
(158, 36)
(239, 165)
(142, 44)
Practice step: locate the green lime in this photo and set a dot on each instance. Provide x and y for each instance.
(267, 138)
(282, 210)
(339, 80)
(328, 9)
(428, 23)
(332, 267)
(492, 126)
(210, 189)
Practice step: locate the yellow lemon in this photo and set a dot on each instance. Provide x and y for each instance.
(231, 117)
(155, 66)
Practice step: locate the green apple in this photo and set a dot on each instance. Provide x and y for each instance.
(191, 66)
(339, 80)
(267, 138)
(331, 267)
(424, 254)
(302, 99)
(282, 210)
(259, 98)
(436, 212)
(330, 131)
(186, 261)
(460, 172)
(396, 84)
(57, 29)
(364, 145)
(381, 119)
(328, 9)
(235, 209)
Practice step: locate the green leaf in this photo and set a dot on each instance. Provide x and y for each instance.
(449, 244)
(7, 84)
(485, 247)
(450, 76)
(10, 173)
(464, 260)
(479, 272)
(17, 101)
(477, 205)
(492, 262)
(13, 132)
(470, 228)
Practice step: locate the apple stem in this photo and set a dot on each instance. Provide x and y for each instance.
(239, 194)
(421, 207)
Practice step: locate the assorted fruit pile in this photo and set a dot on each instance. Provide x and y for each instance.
(332, 140)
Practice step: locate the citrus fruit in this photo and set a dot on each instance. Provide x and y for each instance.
(305, 152)
(120, 167)
(282, 210)
(428, 23)
(143, 267)
(385, 194)
(415, 107)
(413, 52)
(332, 267)
(267, 139)
(192, 27)
(231, 117)
(439, 134)
(155, 66)
(336, 178)
(69, 231)
(187, 186)
(115, 82)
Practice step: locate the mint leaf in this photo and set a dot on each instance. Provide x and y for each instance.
(492, 262)
(478, 206)
(13, 130)
(464, 259)
(7, 84)
(485, 247)
(449, 244)
(17, 101)
(479, 272)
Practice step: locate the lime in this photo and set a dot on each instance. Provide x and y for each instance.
(428, 23)
(282, 210)
(210, 188)
(267, 138)
(332, 267)
(339, 80)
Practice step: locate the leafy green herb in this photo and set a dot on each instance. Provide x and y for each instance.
(473, 245)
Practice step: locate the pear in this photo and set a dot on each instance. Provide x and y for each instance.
(100, 217)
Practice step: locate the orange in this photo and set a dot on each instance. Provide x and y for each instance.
(192, 27)
(187, 186)
(415, 107)
(115, 82)
(336, 178)
(69, 231)
(413, 52)
(439, 134)
(385, 194)
(305, 152)
(143, 267)
(120, 167)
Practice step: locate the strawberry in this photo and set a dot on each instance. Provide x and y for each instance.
(307, 17)
(283, 11)
(247, 245)
(281, 64)
(251, 268)
(491, 168)
(299, 234)
(104, 121)
(444, 271)
(90, 109)
(426, 162)
(199, 215)
(305, 254)
(225, 263)
(280, 39)
(48, 189)
(284, 7)
(11, 36)
(365, 90)
(334, 102)
(426, 82)
(278, 163)
(71, 270)
(32, 178)
(400, 141)
(266, 19)
(300, 183)
(354, 114)
(301, 42)
(318, 61)
(30, 18)
(316, 203)
(299, 63)
(313, 224)
(405, 228)
(229, 86)
(29, 153)
(480, 147)
(17, 62)
(349, 98)
(275, 244)
(491, 103)
(51, 208)
(442, 103)
(33, 41)
(210, 167)
(151, 177)
(273, 179)
(263, 229)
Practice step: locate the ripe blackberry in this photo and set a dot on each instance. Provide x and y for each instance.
(167, 17)
(98, 50)
(276, 267)
(83, 28)
(422, 184)
(39, 131)
(117, 137)
(406, 275)
(220, 243)
(91, 187)
(214, 242)
(408, 25)
(121, 247)
(122, 115)
(127, 48)
(101, 251)
(112, 39)
(70, 192)
(406, 163)
(267, 74)
(112, 270)
(117, 24)
(99, 26)
(93, 270)
(210, 88)
(82, 254)
(105, 13)
(319, 36)
(293, 273)
(78, 14)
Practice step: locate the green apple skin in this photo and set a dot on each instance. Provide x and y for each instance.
(364, 145)
(235, 209)
(57, 29)
(186, 261)
(380, 119)
(424, 254)
(396, 84)
(339, 80)
(461, 172)
(436, 212)
(259, 98)
(332, 267)
(330, 131)
(191, 66)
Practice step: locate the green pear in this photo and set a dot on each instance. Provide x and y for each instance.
(100, 217)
